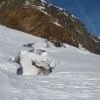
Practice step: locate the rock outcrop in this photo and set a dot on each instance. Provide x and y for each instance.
(42, 19)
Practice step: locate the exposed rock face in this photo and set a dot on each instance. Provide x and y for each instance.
(40, 18)
(43, 66)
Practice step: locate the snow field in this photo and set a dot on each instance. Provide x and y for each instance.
(76, 76)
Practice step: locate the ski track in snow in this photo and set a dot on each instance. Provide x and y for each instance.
(77, 76)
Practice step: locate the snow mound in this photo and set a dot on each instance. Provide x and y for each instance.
(38, 45)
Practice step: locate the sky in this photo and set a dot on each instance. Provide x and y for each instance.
(88, 11)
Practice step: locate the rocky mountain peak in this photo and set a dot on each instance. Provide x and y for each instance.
(42, 19)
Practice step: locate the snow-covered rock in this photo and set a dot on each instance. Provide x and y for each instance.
(34, 63)
(39, 52)
(43, 66)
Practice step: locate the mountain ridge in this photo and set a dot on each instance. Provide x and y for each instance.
(42, 19)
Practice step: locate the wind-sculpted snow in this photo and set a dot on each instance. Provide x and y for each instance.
(76, 76)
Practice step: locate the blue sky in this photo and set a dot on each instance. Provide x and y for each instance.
(88, 11)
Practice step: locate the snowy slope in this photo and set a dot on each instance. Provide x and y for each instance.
(75, 77)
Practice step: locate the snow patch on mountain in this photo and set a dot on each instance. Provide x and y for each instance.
(95, 40)
(41, 8)
(66, 14)
(56, 23)
(73, 16)
(43, 1)
(78, 31)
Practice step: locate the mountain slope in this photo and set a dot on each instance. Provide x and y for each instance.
(42, 19)
(77, 75)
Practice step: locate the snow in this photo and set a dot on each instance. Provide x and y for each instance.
(41, 8)
(66, 14)
(26, 59)
(56, 23)
(43, 1)
(74, 49)
(78, 31)
(27, 2)
(76, 75)
(49, 5)
(73, 16)
(59, 8)
(45, 12)
(95, 40)
(82, 48)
